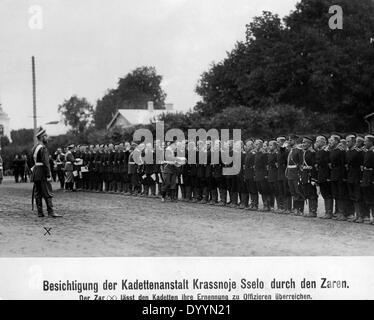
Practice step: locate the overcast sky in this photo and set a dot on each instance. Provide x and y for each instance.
(84, 46)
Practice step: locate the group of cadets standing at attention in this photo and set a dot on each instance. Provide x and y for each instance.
(287, 172)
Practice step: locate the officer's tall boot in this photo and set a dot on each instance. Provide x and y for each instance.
(214, 197)
(365, 210)
(341, 211)
(223, 197)
(50, 210)
(174, 195)
(145, 190)
(195, 196)
(296, 207)
(183, 192)
(280, 204)
(159, 185)
(329, 205)
(234, 200)
(125, 188)
(254, 202)
(358, 217)
(313, 206)
(205, 196)
(244, 198)
(188, 191)
(287, 205)
(39, 206)
(301, 207)
(271, 202)
(153, 190)
(265, 203)
(350, 209)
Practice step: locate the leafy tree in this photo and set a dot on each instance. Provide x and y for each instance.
(140, 86)
(299, 61)
(133, 92)
(106, 108)
(22, 136)
(77, 112)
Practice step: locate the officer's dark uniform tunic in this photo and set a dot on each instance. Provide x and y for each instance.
(338, 186)
(368, 179)
(285, 200)
(249, 178)
(294, 163)
(261, 177)
(354, 162)
(273, 179)
(308, 180)
(40, 175)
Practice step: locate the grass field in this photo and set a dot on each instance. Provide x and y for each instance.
(115, 225)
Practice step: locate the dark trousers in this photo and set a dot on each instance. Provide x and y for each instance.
(43, 190)
(325, 189)
(61, 178)
(296, 193)
(169, 183)
(368, 195)
(354, 192)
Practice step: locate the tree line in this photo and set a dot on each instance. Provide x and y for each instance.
(290, 74)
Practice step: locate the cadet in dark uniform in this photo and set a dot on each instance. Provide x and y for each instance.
(364, 209)
(354, 162)
(60, 163)
(323, 175)
(216, 172)
(368, 174)
(126, 176)
(69, 169)
(294, 164)
(169, 173)
(41, 176)
(338, 186)
(77, 165)
(261, 173)
(308, 177)
(100, 168)
(187, 180)
(249, 175)
(243, 190)
(285, 198)
(204, 172)
(273, 175)
(91, 168)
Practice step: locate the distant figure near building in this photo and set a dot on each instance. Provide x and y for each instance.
(41, 176)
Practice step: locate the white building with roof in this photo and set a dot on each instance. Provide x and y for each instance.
(125, 118)
(56, 128)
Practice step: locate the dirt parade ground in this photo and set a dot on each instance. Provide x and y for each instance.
(116, 226)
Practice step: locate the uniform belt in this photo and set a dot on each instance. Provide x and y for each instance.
(39, 164)
(292, 167)
(307, 168)
(369, 169)
(68, 162)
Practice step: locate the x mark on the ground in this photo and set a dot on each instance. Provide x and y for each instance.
(48, 231)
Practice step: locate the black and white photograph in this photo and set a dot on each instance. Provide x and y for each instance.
(186, 128)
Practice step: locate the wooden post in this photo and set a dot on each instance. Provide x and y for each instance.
(34, 97)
